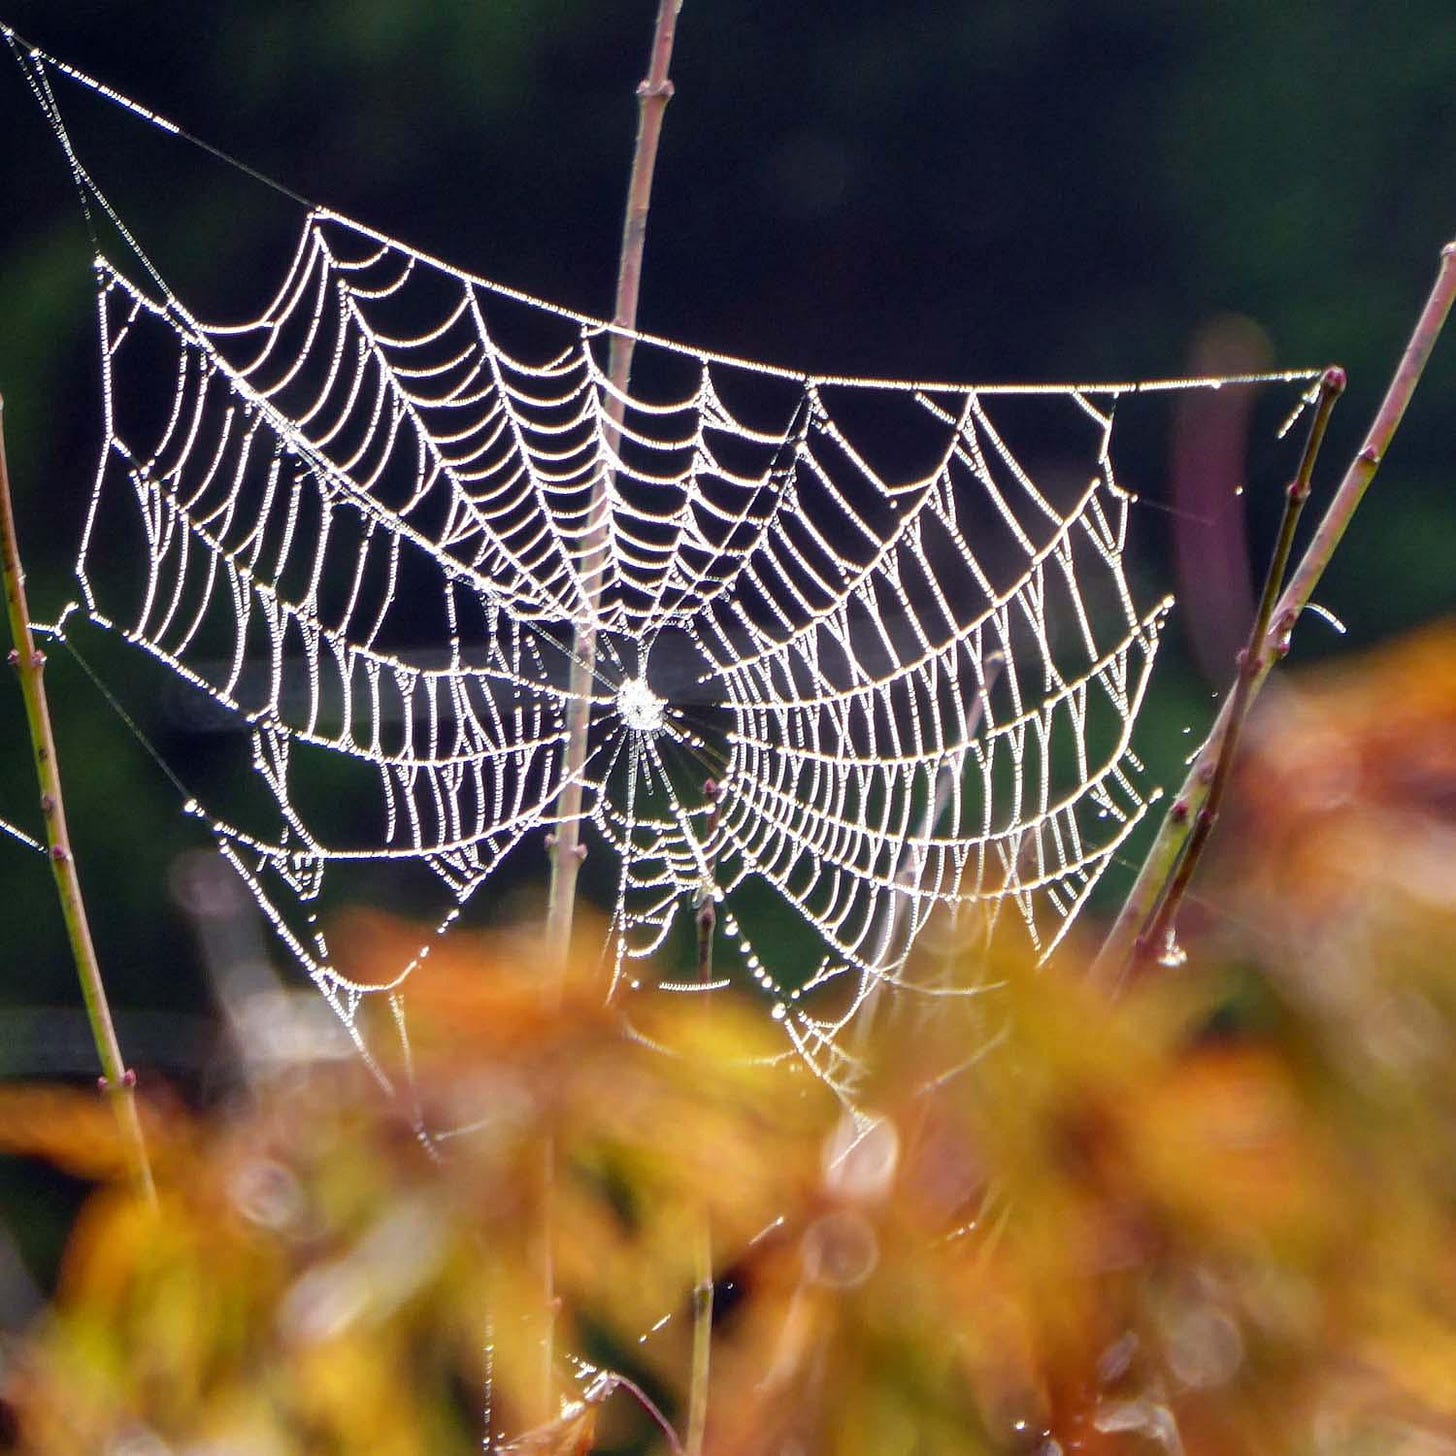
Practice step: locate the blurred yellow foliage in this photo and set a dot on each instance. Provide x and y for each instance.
(1214, 1215)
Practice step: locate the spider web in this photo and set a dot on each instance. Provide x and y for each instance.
(862, 649)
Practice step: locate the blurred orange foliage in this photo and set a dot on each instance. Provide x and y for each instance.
(1212, 1216)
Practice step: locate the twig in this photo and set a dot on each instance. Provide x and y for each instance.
(567, 850)
(1159, 931)
(117, 1081)
(1161, 861)
(652, 97)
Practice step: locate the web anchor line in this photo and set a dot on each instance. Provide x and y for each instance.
(864, 649)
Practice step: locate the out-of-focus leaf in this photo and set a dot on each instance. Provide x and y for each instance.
(1212, 1215)
(74, 1130)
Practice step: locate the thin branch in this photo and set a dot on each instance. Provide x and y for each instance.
(118, 1082)
(1159, 931)
(1162, 860)
(652, 97)
(567, 850)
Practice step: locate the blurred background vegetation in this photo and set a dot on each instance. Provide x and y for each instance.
(1008, 190)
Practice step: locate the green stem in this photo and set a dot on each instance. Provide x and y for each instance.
(117, 1081)
(1162, 859)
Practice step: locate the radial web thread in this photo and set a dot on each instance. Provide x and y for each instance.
(857, 651)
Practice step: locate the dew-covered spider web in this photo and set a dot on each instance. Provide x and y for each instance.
(860, 650)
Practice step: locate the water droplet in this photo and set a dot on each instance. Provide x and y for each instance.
(860, 1157)
(840, 1250)
(1203, 1346)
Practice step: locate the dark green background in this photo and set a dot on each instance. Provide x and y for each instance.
(1011, 190)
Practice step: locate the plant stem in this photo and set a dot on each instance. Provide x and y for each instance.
(117, 1081)
(1162, 859)
(567, 850)
(698, 1378)
(698, 1381)
(1159, 930)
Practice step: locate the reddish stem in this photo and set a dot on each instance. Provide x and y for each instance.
(1162, 859)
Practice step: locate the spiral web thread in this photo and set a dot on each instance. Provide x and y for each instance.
(875, 693)
(864, 648)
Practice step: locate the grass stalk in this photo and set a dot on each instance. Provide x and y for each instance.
(1132, 926)
(117, 1081)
